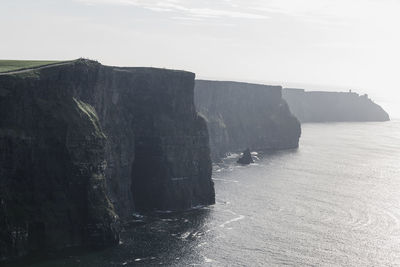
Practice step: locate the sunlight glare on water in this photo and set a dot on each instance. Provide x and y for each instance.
(333, 202)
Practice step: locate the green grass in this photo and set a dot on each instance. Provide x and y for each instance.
(11, 65)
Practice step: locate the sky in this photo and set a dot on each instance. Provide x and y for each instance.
(333, 45)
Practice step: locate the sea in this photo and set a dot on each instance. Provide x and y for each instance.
(334, 201)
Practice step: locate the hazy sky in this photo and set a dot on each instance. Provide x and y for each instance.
(316, 44)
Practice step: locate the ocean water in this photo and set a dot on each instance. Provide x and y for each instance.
(335, 201)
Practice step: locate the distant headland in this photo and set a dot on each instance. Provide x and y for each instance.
(319, 106)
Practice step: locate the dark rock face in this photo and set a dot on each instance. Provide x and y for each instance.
(242, 115)
(332, 106)
(171, 169)
(246, 158)
(157, 149)
(81, 142)
(52, 184)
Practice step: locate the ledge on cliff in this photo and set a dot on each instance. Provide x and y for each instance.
(318, 106)
(244, 115)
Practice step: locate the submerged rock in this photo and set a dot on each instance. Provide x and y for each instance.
(246, 158)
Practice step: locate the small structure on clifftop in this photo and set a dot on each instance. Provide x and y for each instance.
(246, 158)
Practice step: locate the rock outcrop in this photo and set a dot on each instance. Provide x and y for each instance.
(316, 106)
(82, 143)
(246, 158)
(243, 115)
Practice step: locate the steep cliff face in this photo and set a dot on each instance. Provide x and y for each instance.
(242, 115)
(170, 166)
(332, 106)
(52, 185)
(143, 146)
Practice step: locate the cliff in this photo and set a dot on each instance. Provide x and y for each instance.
(82, 143)
(332, 106)
(243, 115)
(52, 185)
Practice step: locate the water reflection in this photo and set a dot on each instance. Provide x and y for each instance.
(164, 238)
(155, 239)
(333, 202)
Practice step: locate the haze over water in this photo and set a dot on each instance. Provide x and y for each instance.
(333, 202)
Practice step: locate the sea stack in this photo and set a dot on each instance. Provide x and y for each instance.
(246, 158)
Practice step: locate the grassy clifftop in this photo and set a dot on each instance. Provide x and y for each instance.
(11, 65)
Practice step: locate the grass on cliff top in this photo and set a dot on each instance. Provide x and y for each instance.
(11, 65)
